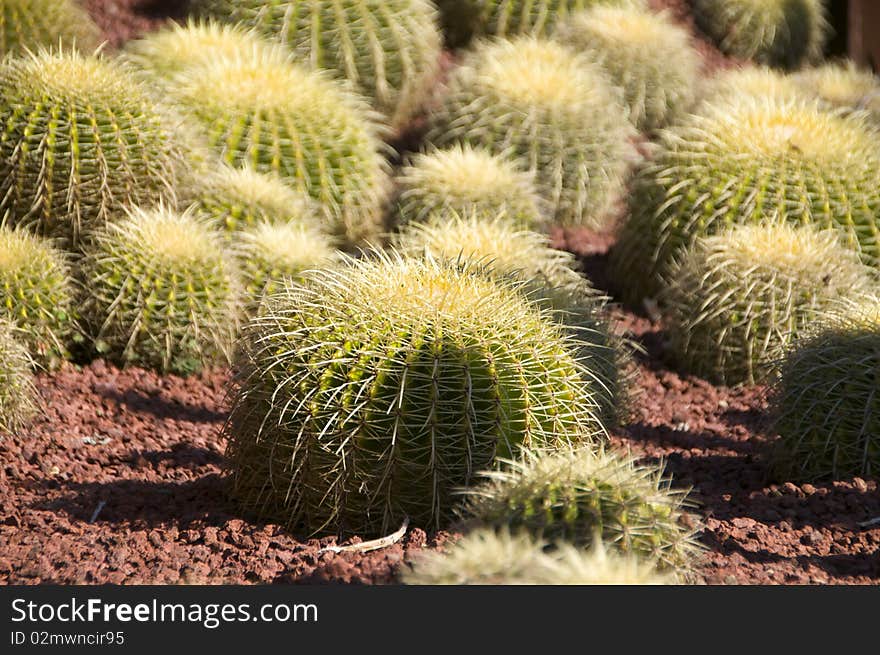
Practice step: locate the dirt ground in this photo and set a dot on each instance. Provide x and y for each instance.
(122, 479)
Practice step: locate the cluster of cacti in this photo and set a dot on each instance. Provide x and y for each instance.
(18, 396)
(375, 389)
(780, 33)
(37, 295)
(746, 161)
(841, 84)
(81, 138)
(489, 557)
(735, 301)
(32, 24)
(580, 494)
(389, 49)
(160, 292)
(649, 56)
(826, 406)
(463, 179)
(554, 110)
(261, 110)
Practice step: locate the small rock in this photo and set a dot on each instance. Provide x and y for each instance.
(860, 484)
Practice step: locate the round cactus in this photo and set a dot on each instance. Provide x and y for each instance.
(646, 54)
(780, 33)
(554, 110)
(389, 49)
(735, 301)
(37, 295)
(374, 390)
(81, 139)
(160, 292)
(28, 25)
(750, 81)
(18, 396)
(580, 494)
(463, 179)
(487, 557)
(841, 84)
(745, 161)
(263, 111)
(826, 406)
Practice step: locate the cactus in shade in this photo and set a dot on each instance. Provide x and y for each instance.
(18, 396)
(81, 139)
(645, 53)
(463, 179)
(826, 406)
(160, 292)
(37, 295)
(735, 301)
(779, 33)
(32, 24)
(580, 494)
(746, 161)
(489, 557)
(263, 111)
(841, 84)
(554, 110)
(389, 49)
(373, 390)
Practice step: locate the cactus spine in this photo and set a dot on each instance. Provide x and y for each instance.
(842, 84)
(34, 24)
(18, 396)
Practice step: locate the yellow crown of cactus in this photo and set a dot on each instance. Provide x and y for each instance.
(750, 81)
(840, 84)
(28, 25)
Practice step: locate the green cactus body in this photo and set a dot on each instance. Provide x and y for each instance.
(80, 139)
(374, 390)
(18, 396)
(646, 54)
(826, 406)
(160, 292)
(744, 162)
(262, 111)
(463, 179)
(34, 24)
(37, 295)
(389, 49)
(843, 85)
(580, 495)
(488, 557)
(736, 301)
(552, 109)
(780, 33)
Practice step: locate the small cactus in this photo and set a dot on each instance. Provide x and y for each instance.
(648, 55)
(37, 288)
(779, 33)
(371, 391)
(263, 111)
(160, 292)
(551, 108)
(735, 301)
(18, 396)
(578, 495)
(463, 179)
(743, 162)
(81, 139)
(389, 49)
(489, 557)
(842, 84)
(28, 25)
(826, 406)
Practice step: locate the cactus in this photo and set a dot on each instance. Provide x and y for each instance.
(779, 33)
(389, 49)
(754, 81)
(578, 494)
(464, 179)
(742, 162)
(554, 110)
(37, 295)
(646, 54)
(373, 390)
(18, 395)
(501, 558)
(843, 84)
(160, 291)
(826, 406)
(261, 110)
(735, 301)
(81, 139)
(28, 25)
